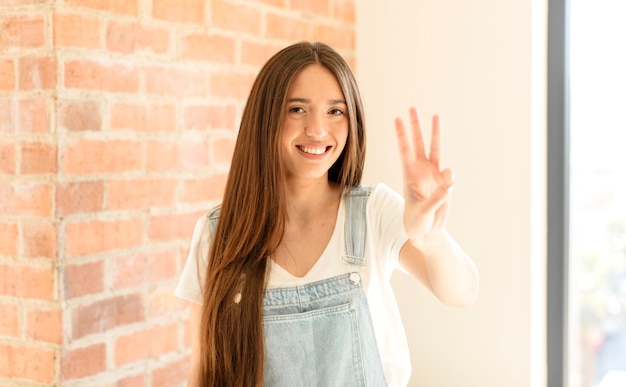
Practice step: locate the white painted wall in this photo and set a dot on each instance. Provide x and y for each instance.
(481, 65)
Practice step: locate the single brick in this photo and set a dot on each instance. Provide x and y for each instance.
(25, 198)
(204, 189)
(144, 267)
(141, 345)
(100, 156)
(7, 74)
(209, 47)
(38, 157)
(189, 11)
(82, 362)
(74, 30)
(39, 239)
(26, 281)
(104, 315)
(123, 7)
(21, 32)
(236, 17)
(177, 82)
(8, 239)
(343, 10)
(340, 38)
(33, 115)
(96, 236)
(141, 193)
(83, 279)
(101, 76)
(222, 150)
(37, 73)
(143, 117)
(231, 84)
(171, 374)
(81, 115)
(256, 54)
(8, 122)
(7, 158)
(9, 320)
(172, 226)
(201, 117)
(44, 325)
(319, 7)
(77, 197)
(280, 26)
(26, 362)
(176, 154)
(163, 303)
(129, 38)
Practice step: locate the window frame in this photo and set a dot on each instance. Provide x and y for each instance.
(558, 192)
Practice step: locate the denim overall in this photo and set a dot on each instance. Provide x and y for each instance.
(321, 333)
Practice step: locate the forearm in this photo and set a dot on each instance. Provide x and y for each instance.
(442, 265)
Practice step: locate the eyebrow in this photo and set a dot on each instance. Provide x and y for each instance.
(330, 101)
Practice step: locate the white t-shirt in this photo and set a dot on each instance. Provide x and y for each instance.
(385, 236)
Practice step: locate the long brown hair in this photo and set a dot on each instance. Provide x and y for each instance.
(253, 215)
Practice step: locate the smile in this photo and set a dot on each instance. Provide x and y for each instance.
(313, 151)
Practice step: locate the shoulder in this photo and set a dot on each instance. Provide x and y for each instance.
(362, 190)
(380, 201)
(385, 210)
(384, 207)
(382, 196)
(205, 225)
(377, 196)
(212, 217)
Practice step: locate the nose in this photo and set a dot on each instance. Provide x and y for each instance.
(315, 126)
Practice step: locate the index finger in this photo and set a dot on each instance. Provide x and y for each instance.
(404, 147)
(418, 137)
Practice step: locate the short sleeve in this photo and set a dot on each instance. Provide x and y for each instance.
(192, 278)
(385, 209)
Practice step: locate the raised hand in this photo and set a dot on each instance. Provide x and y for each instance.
(426, 187)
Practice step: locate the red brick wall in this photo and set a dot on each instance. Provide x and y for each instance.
(117, 121)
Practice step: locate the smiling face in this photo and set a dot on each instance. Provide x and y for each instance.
(316, 124)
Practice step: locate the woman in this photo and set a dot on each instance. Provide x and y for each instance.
(289, 277)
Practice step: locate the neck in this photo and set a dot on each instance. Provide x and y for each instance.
(306, 198)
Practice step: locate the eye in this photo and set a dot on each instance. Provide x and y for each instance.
(336, 112)
(296, 109)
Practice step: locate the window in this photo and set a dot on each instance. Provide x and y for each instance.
(587, 194)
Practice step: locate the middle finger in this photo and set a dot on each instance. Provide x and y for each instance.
(418, 138)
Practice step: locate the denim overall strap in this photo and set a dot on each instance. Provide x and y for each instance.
(356, 226)
(213, 218)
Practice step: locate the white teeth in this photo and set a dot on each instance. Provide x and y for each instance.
(313, 151)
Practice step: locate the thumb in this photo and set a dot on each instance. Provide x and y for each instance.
(447, 177)
(442, 193)
(437, 198)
